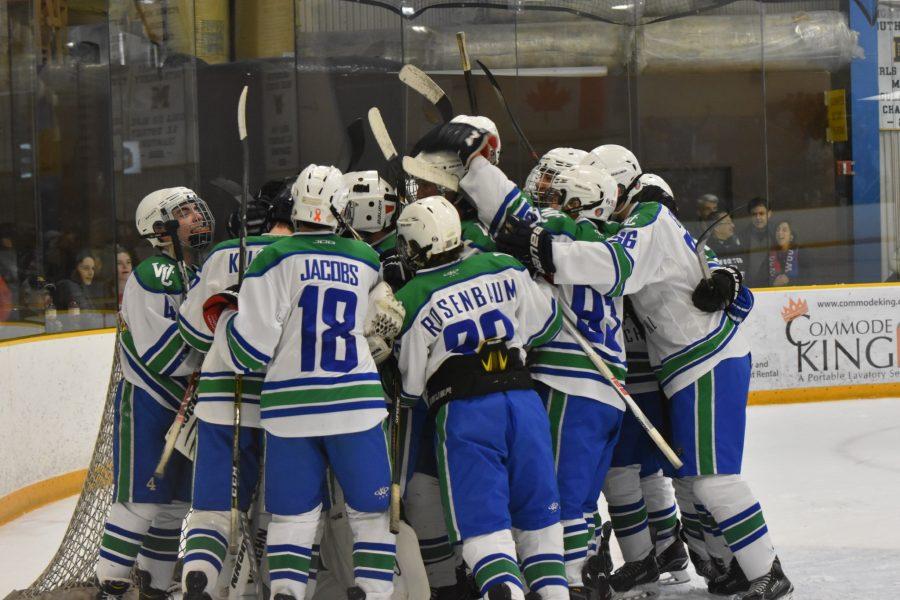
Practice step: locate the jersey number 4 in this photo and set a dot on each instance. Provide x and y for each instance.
(339, 318)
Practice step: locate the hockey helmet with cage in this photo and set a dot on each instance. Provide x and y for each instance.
(320, 196)
(585, 191)
(177, 203)
(486, 124)
(427, 228)
(371, 201)
(550, 165)
(272, 204)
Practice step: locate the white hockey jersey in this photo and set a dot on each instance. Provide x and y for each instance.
(303, 304)
(154, 355)
(451, 309)
(652, 260)
(560, 364)
(215, 388)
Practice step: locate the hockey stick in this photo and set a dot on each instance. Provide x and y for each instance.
(570, 325)
(418, 168)
(418, 80)
(382, 137)
(467, 70)
(234, 533)
(512, 117)
(171, 227)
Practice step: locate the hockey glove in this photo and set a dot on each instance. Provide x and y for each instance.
(383, 321)
(257, 211)
(719, 291)
(467, 141)
(529, 243)
(394, 271)
(216, 304)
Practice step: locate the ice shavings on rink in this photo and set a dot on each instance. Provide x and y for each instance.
(827, 475)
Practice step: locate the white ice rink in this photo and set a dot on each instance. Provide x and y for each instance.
(827, 475)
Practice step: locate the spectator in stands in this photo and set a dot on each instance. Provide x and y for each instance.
(707, 204)
(724, 241)
(784, 267)
(77, 293)
(123, 271)
(757, 241)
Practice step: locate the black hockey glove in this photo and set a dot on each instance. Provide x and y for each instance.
(467, 141)
(529, 243)
(257, 211)
(719, 291)
(394, 270)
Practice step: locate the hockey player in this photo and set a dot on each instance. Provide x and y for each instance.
(303, 307)
(549, 166)
(372, 205)
(208, 527)
(468, 322)
(144, 523)
(700, 359)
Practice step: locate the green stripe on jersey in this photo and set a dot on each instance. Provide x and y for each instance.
(172, 387)
(326, 243)
(193, 340)
(416, 294)
(304, 396)
(572, 360)
(700, 351)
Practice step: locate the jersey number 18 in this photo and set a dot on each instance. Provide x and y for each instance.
(339, 318)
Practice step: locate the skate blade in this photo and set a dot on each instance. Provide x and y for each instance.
(674, 577)
(640, 592)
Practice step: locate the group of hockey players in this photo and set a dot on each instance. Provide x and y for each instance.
(447, 307)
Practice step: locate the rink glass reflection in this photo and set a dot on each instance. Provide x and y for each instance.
(769, 111)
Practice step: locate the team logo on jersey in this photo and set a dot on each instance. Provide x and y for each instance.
(164, 273)
(553, 507)
(382, 492)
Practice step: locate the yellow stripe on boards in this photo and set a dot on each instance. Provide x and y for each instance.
(831, 286)
(55, 336)
(822, 394)
(36, 495)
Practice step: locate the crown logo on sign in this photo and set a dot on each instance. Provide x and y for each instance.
(794, 310)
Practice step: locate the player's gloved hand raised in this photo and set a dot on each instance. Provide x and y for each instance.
(529, 243)
(216, 304)
(257, 211)
(464, 139)
(394, 270)
(719, 291)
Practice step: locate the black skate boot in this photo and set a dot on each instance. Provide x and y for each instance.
(355, 593)
(456, 591)
(145, 590)
(673, 563)
(704, 567)
(636, 579)
(532, 596)
(284, 597)
(500, 592)
(731, 581)
(113, 590)
(770, 586)
(578, 592)
(195, 586)
(596, 579)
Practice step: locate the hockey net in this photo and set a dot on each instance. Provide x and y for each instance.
(70, 573)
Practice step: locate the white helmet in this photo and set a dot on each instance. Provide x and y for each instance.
(425, 228)
(371, 201)
(482, 123)
(318, 193)
(445, 160)
(170, 204)
(650, 180)
(619, 162)
(586, 191)
(548, 167)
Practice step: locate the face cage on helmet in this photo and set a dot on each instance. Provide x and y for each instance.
(202, 238)
(413, 259)
(543, 198)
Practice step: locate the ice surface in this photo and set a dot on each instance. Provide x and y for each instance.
(827, 475)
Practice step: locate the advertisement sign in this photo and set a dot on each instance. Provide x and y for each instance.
(888, 60)
(825, 337)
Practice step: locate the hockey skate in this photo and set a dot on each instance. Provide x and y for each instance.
(355, 593)
(195, 586)
(636, 580)
(145, 590)
(673, 563)
(771, 586)
(603, 552)
(112, 590)
(500, 592)
(731, 581)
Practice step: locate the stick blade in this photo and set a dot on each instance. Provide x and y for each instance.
(380, 133)
(242, 114)
(418, 168)
(418, 80)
